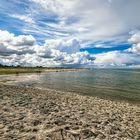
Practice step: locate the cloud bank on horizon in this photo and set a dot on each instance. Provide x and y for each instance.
(71, 33)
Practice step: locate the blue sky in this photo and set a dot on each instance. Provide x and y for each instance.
(95, 33)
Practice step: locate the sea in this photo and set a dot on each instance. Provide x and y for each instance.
(112, 84)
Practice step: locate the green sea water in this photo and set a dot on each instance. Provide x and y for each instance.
(114, 84)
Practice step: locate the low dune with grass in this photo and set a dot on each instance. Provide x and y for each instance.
(18, 70)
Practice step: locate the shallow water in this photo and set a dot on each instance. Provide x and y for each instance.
(116, 84)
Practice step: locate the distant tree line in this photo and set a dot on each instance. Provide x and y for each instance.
(18, 66)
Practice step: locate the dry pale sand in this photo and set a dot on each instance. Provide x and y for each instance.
(34, 114)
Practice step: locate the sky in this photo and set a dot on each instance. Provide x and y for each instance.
(70, 33)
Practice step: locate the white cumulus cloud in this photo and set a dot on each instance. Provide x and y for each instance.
(64, 45)
(135, 41)
(9, 43)
(23, 50)
(116, 59)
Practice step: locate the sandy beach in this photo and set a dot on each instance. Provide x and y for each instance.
(36, 114)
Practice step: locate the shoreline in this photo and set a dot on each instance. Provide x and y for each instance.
(29, 113)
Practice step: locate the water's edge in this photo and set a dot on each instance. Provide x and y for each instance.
(112, 84)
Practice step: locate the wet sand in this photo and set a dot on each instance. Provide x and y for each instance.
(35, 114)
